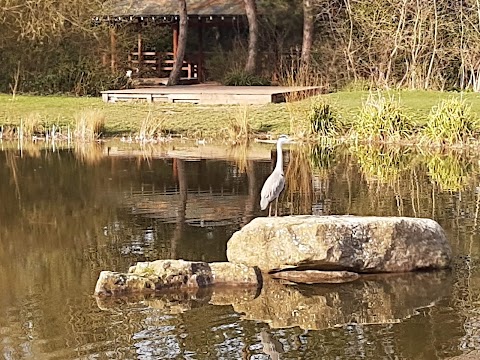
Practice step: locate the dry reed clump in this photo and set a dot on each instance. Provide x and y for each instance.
(381, 119)
(31, 125)
(151, 127)
(89, 125)
(238, 130)
(450, 122)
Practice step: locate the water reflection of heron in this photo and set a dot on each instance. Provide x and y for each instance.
(271, 346)
(275, 182)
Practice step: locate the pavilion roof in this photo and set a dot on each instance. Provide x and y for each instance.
(137, 8)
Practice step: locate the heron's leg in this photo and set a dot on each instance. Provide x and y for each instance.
(270, 209)
(276, 206)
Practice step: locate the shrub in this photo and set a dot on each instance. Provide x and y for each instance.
(242, 78)
(357, 85)
(79, 79)
(450, 122)
(381, 119)
(219, 62)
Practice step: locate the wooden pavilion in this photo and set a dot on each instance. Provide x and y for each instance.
(139, 13)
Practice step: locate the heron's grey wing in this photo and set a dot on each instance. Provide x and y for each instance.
(273, 187)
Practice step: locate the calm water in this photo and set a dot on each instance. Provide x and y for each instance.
(67, 215)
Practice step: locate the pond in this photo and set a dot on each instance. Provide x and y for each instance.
(66, 214)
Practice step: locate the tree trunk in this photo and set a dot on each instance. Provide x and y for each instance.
(307, 34)
(251, 10)
(174, 77)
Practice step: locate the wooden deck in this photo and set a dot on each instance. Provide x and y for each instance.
(211, 94)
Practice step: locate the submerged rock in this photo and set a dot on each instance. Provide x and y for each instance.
(351, 243)
(148, 277)
(114, 283)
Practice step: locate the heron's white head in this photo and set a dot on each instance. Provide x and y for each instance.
(283, 139)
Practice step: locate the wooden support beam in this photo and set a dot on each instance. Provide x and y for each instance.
(113, 49)
(200, 51)
(140, 50)
(175, 40)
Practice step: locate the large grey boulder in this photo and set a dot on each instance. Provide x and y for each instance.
(351, 243)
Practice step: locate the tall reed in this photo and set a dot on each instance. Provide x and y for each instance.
(238, 130)
(151, 126)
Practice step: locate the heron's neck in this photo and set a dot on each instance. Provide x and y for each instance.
(279, 165)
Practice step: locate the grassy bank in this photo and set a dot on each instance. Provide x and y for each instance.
(207, 121)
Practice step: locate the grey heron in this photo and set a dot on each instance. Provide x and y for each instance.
(275, 183)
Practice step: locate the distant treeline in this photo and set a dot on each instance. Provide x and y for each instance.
(52, 46)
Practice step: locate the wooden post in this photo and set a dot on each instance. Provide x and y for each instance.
(113, 49)
(200, 51)
(175, 41)
(140, 51)
(159, 57)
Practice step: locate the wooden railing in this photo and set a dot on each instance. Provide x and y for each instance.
(161, 63)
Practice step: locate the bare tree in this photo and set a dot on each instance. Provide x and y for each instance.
(251, 10)
(308, 23)
(174, 77)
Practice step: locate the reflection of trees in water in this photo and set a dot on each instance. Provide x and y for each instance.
(74, 218)
(298, 181)
(394, 182)
(253, 193)
(181, 209)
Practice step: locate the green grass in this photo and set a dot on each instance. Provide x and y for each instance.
(208, 121)
(194, 120)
